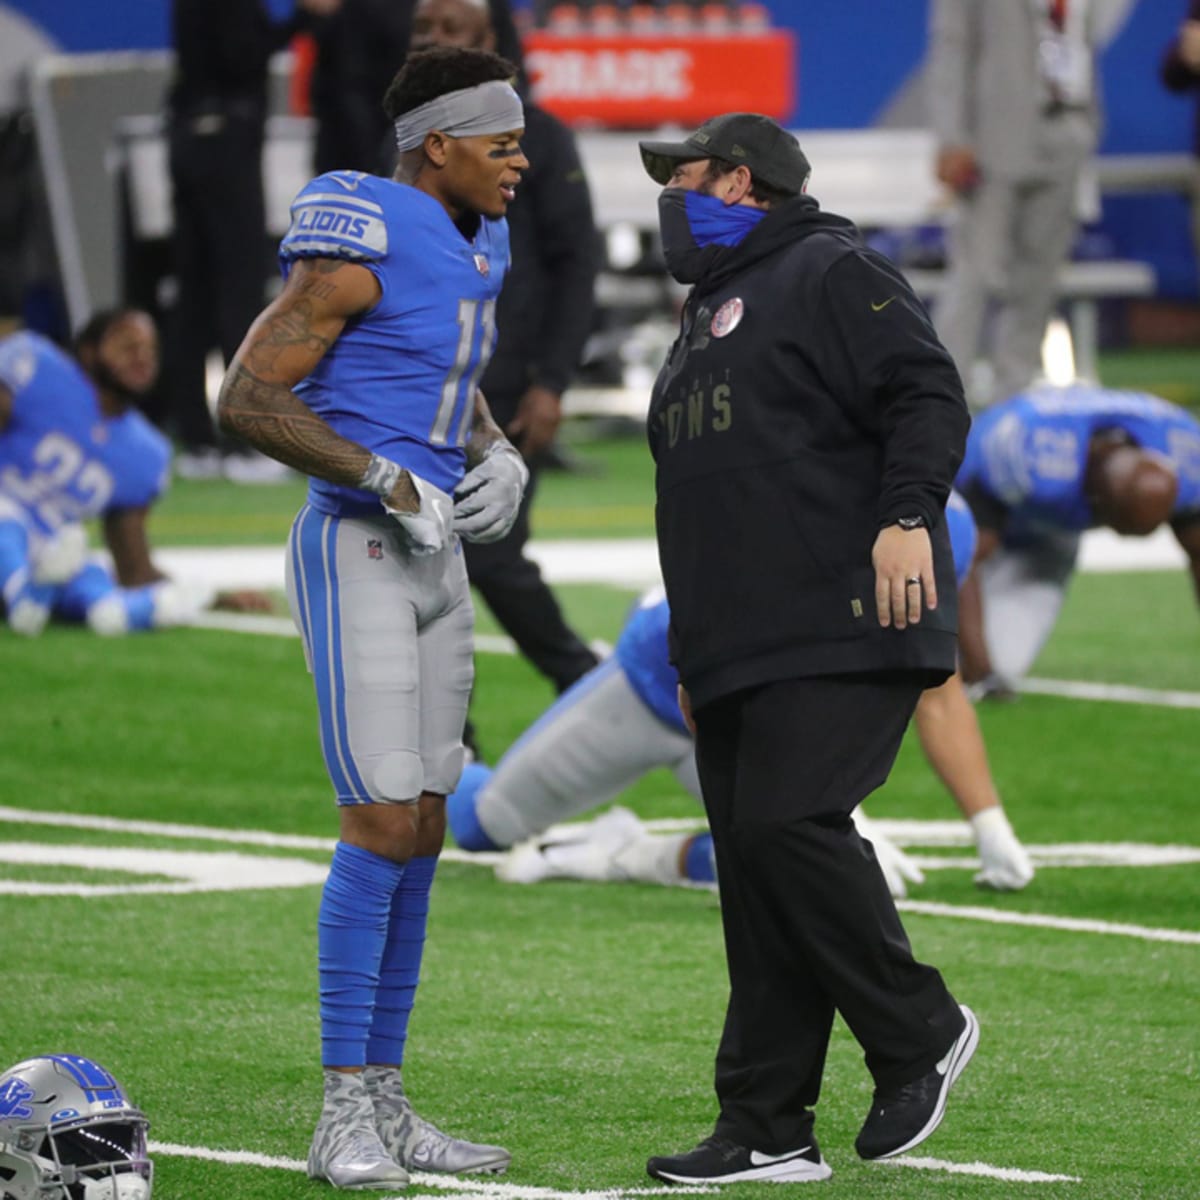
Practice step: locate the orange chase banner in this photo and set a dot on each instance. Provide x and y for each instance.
(642, 81)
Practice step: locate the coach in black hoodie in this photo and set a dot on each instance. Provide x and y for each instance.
(806, 428)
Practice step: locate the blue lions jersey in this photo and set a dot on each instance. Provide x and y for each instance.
(1030, 453)
(61, 458)
(642, 649)
(400, 380)
(964, 536)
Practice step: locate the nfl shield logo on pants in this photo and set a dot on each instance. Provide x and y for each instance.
(374, 548)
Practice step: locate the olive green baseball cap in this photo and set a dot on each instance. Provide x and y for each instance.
(772, 154)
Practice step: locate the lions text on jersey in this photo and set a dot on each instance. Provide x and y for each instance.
(61, 459)
(1030, 453)
(401, 379)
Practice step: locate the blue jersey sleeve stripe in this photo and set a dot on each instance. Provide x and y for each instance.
(336, 199)
(327, 247)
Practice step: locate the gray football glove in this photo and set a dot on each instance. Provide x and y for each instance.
(430, 527)
(488, 499)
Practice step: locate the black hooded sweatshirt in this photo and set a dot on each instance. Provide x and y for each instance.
(806, 403)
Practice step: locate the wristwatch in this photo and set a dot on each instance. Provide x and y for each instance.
(917, 522)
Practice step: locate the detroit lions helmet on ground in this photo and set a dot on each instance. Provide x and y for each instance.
(69, 1132)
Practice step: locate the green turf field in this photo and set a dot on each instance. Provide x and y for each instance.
(575, 1023)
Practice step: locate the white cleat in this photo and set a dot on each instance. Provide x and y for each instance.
(588, 851)
(28, 617)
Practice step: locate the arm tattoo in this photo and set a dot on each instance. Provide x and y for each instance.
(485, 433)
(274, 420)
(268, 415)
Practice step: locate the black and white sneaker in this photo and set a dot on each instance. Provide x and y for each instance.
(717, 1160)
(904, 1117)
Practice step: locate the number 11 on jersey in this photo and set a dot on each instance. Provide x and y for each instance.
(476, 336)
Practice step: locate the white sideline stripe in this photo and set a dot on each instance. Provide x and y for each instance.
(618, 562)
(1012, 1174)
(444, 1183)
(487, 643)
(931, 908)
(514, 1191)
(206, 833)
(1118, 693)
(230, 622)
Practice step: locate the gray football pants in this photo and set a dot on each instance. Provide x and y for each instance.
(1022, 589)
(597, 739)
(1010, 238)
(388, 637)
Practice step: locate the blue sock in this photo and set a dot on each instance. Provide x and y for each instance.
(14, 553)
(401, 965)
(351, 933)
(699, 864)
(139, 606)
(460, 809)
(15, 580)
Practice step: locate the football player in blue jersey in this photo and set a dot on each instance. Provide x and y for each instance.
(1041, 468)
(73, 447)
(623, 719)
(362, 374)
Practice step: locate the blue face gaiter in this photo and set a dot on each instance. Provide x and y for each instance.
(698, 229)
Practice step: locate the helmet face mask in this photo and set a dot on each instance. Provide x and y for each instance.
(68, 1132)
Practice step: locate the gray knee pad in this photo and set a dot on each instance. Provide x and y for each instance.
(399, 777)
(443, 779)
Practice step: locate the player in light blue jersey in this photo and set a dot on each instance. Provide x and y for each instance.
(73, 447)
(362, 374)
(623, 719)
(1039, 469)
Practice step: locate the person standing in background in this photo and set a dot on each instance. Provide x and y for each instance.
(360, 46)
(216, 120)
(1181, 73)
(1013, 101)
(543, 319)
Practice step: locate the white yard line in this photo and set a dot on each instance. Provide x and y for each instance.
(1090, 854)
(490, 1189)
(1012, 1174)
(283, 627)
(463, 1186)
(618, 562)
(1070, 689)
(1116, 693)
(994, 916)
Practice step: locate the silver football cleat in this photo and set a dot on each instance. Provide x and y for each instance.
(418, 1145)
(346, 1150)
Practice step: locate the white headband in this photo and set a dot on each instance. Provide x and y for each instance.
(492, 107)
